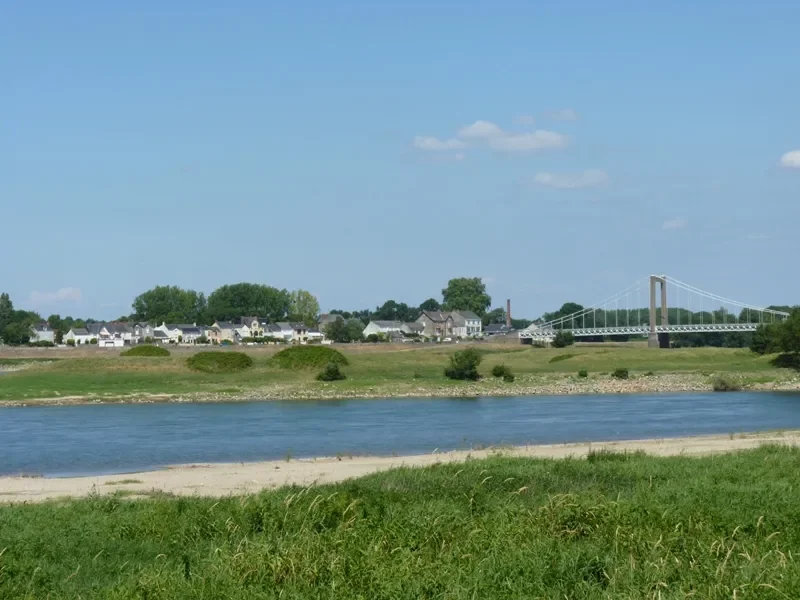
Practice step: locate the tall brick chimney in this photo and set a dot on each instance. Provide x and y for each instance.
(508, 313)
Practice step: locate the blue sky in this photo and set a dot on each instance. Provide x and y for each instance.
(367, 151)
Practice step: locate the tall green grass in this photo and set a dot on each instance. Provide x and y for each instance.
(614, 526)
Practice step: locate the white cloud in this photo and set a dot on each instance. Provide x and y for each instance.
(68, 294)
(526, 142)
(588, 178)
(791, 160)
(526, 120)
(671, 224)
(563, 114)
(435, 144)
(481, 130)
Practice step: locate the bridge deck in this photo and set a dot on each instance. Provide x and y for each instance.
(548, 334)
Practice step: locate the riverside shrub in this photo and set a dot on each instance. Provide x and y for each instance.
(145, 350)
(620, 374)
(331, 372)
(307, 357)
(464, 365)
(722, 383)
(220, 362)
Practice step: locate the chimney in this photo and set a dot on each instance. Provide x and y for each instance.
(508, 313)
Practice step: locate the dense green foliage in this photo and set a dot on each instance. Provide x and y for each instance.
(614, 526)
(331, 372)
(230, 302)
(303, 307)
(345, 331)
(781, 336)
(500, 370)
(466, 293)
(620, 373)
(307, 357)
(145, 350)
(725, 383)
(219, 362)
(583, 373)
(562, 339)
(171, 304)
(464, 365)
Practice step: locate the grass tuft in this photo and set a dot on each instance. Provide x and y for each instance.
(220, 362)
(307, 357)
(561, 357)
(723, 383)
(145, 350)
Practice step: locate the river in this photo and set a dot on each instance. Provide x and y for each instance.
(61, 441)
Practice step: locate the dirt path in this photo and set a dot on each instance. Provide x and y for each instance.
(247, 478)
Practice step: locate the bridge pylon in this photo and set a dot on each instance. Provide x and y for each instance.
(654, 338)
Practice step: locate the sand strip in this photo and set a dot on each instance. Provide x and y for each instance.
(225, 479)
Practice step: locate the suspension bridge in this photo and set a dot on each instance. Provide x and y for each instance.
(635, 312)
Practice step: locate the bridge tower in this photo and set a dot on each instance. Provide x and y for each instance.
(655, 339)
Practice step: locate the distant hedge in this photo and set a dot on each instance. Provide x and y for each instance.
(219, 362)
(307, 357)
(145, 351)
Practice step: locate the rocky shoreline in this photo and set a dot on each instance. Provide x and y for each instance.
(525, 385)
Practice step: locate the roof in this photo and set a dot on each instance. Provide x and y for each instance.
(190, 330)
(248, 320)
(414, 326)
(387, 324)
(159, 334)
(43, 326)
(467, 314)
(497, 328)
(79, 331)
(300, 326)
(330, 318)
(223, 325)
(436, 316)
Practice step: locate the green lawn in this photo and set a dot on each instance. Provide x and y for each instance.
(403, 369)
(613, 526)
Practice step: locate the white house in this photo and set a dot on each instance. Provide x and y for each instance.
(169, 333)
(79, 335)
(242, 331)
(142, 331)
(291, 332)
(42, 332)
(314, 335)
(385, 328)
(466, 323)
(190, 333)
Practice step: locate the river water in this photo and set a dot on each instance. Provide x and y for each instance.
(119, 438)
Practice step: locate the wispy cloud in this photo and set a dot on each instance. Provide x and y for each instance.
(791, 160)
(435, 144)
(562, 114)
(672, 224)
(588, 178)
(63, 295)
(490, 135)
(498, 139)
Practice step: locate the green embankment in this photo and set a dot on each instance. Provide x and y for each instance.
(613, 526)
(386, 370)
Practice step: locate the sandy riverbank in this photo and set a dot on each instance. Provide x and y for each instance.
(525, 385)
(247, 478)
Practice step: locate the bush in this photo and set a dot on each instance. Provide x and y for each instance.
(583, 373)
(372, 338)
(220, 362)
(146, 350)
(509, 377)
(70, 342)
(331, 372)
(620, 374)
(464, 365)
(201, 340)
(307, 357)
(500, 370)
(148, 339)
(93, 341)
(563, 339)
(722, 383)
(41, 344)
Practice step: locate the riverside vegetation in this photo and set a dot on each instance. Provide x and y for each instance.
(610, 526)
(382, 371)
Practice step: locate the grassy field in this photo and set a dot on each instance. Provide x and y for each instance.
(104, 374)
(611, 526)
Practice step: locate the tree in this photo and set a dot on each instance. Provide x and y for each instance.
(16, 334)
(430, 304)
(393, 311)
(55, 321)
(303, 306)
(498, 315)
(169, 303)
(789, 333)
(59, 336)
(6, 311)
(344, 332)
(466, 293)
(237, 300)
(563, 339)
